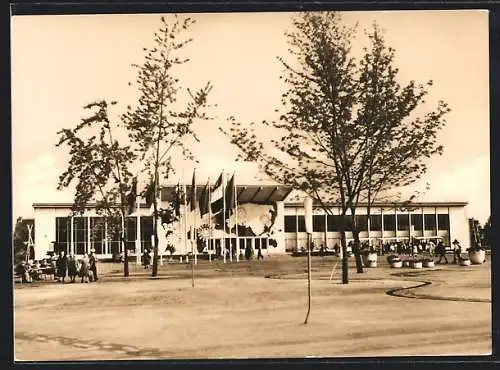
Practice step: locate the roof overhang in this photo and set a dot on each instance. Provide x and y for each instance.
(258, 194)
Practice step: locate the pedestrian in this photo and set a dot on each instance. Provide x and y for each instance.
(259, 254)
(146, 259)
(457, 251)
(84, 268)
(62, 266)
(441, 251)
(93, 265)
(72, 268)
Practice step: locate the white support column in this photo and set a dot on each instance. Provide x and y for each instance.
(106, 240)
(382, 223)
(396, 223)
(138, 239)
(423, 222)
(72, 239)
(89, 239)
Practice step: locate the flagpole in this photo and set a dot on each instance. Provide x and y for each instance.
(224, 216)
(185, 215)
(230, 236)
(236, 218)
(209, 220)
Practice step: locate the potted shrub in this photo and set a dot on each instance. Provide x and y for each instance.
(464, 260)
(477, 254)
(370, 257)
(416, 263)
(428, 262)
(394, 261)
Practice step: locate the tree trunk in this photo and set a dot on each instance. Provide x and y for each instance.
(357, 251)
(125, 257)
(155, 232)
(345, 261)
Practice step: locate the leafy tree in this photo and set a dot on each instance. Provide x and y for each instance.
(159, 124)
(99, 167)
(20, 240)
(486, 233)
(350, 130)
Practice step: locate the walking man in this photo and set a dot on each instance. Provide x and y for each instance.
(259, 254)
(457, 251)
(62, 266)
(441, 251)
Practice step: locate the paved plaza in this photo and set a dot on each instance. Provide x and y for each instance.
(256, 310)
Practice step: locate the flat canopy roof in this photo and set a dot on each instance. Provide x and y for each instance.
(258, 194)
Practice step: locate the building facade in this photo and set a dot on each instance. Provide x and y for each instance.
(266, 216)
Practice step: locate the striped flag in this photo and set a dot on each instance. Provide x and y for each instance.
(217, 194)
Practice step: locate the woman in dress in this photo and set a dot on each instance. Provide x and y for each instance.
(84, 268)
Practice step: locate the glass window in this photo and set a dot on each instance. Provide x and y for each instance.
(362, 222)
(333, 223)
(290, 224)
(375, 222)
(147, 232)
(263, 243)
(319, 223)
(80, 232)
(63, 234)
(403, 222)
(416, 222)
(301, 224)
(257, 243)
(347, 222)
(443, 221)
(131, 232)
(97, 232)
(430, 221)
(390, 222)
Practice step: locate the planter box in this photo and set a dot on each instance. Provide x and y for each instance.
(477, 257)
(428, 264)
(465, 262)
(397, 264)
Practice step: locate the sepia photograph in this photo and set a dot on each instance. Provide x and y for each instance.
(251, 185)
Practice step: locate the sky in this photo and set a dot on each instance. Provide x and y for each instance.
(61, 63)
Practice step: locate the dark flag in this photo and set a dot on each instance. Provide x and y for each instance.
(230, 197)
(177, 200)
(218, 183)
(192, 195)
(204, 200)
(132, 196)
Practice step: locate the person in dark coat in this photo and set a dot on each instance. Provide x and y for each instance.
(62, 266)
(93, 265)
(441, 251)
(457, 251)
(259, 254)
(72, 268)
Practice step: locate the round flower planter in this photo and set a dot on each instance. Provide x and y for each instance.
(370, 260)
(416, 265)
(397, 264)
(477, 257)
(428, 264)
(465, 263)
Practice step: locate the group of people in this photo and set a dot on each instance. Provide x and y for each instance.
(69, 266)
(33, 270)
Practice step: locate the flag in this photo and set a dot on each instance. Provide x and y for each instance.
(216, 193)
(177, 199)
(132, 196)
(230, 196)
(204, 201)
(192, 195)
